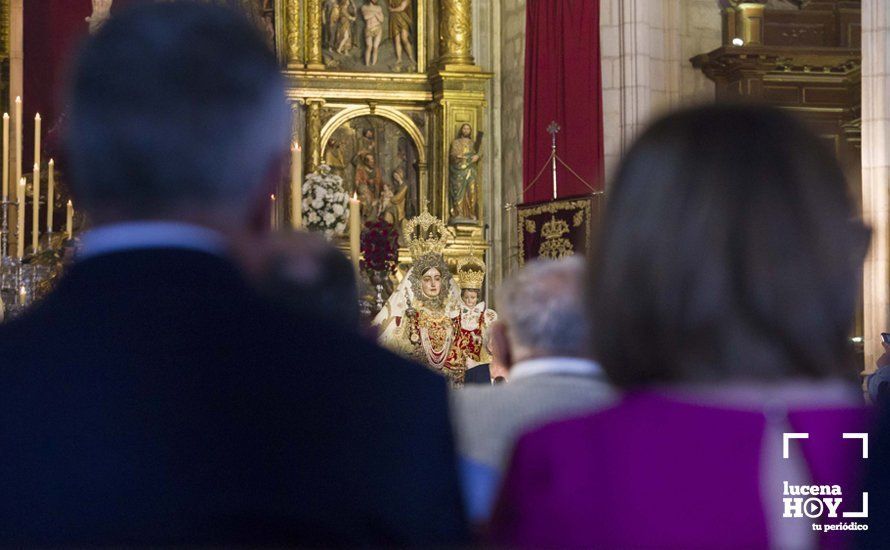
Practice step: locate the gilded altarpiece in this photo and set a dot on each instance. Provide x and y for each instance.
(387, 93)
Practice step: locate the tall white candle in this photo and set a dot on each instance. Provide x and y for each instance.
(296, 185)
(273, 214)
(50, 195)
(35, 212)
(37, 139)
(5, 157)
(69, 226)
(17, 130)
(20, 226)
(354, 230)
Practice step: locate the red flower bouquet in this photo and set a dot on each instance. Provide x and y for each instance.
(380, 247)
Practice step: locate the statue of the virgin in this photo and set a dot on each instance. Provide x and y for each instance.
(421, 319)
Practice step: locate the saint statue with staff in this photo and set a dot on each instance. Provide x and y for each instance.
(463, 162)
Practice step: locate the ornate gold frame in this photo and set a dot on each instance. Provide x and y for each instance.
(448, 89)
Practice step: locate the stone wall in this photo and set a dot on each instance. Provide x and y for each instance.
(511, 81)
(646, 46)
(876, 173)
(700, 32)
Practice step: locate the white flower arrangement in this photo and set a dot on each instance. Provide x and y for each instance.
(325, 203)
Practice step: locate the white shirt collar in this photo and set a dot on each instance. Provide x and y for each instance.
(575, 366)
(120, 237)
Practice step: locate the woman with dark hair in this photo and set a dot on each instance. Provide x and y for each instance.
(722, 291)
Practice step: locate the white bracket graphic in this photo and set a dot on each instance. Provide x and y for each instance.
(863, 437)
(788, 436)
(864, 512)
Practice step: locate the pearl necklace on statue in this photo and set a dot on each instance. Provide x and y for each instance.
(436, 357)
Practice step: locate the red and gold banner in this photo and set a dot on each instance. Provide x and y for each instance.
(563, 83)
(558, 228)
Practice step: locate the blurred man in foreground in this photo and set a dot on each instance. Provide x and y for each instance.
(304, 272)
(153, 398)
(541, 337)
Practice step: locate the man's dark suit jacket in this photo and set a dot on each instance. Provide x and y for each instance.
(479, 374)
(153, 399)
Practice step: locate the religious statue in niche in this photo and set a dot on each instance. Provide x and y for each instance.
(101, 13)
(378, 162)
(369, 35)
(421, 318)
(475, 318)
(463, 162)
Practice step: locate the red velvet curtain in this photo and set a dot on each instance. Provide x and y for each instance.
(562, 83)
(52, 31)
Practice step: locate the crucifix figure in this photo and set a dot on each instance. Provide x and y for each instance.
(101, 13)
(553, 129)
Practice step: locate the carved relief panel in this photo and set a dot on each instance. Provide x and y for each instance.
(370, 35)
(379, 161)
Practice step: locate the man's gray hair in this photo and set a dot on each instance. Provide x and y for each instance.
(171, 105)
(543, 308)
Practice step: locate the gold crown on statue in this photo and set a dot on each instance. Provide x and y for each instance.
(554, 228)
(470, 272)
(425, 234)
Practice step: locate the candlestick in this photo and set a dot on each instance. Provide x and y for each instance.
(50, 195)
(20, 226)
(37, 139)
(23, 295)
(354, 229)
(296, 185)
(5, 157)
(35, 211)
(70, 223)
(17, 122)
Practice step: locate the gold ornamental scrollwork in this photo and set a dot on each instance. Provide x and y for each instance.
(554, 244)
(314, 130)
(294, 39)
(314, 56)
(455, 32)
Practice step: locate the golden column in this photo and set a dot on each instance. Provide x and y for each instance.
(456, 35)
(314, 58)
(313, 131)
(294, 37)
(744, 20)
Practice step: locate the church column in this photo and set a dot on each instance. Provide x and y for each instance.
(423, 181)
(314, 58)
(876, 173)
(313, 131)
(294, 35)
(745, 21)
(455, 34)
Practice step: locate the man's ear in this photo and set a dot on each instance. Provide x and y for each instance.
(500, 344)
